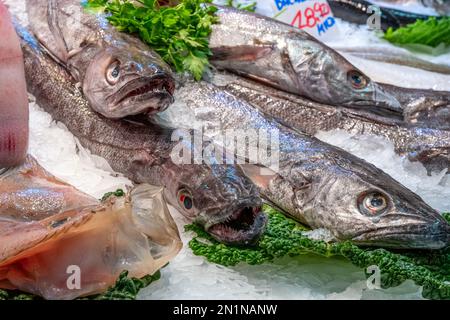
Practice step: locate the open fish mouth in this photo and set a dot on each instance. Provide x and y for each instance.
(243, 227)
(153, 95)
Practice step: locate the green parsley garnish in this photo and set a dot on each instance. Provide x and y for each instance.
(179, 34)
(118, 193)
(431, 32)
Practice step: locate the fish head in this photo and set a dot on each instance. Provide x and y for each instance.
(221, 199)
(329, 78)
(363, 204)
(120, 82)
(356, 202)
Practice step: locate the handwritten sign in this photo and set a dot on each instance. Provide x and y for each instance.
(312, 16)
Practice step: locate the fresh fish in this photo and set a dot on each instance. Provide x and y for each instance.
(13, 95)
(357, 11)
(292, 60)
(429, 146)
(119, 74)
(49, 230)
(393, 55)
(219, 197)
(316, 183)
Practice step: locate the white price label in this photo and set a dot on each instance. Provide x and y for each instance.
(312, 16)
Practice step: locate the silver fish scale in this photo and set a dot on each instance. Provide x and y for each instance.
(254, 25)
(219, 111)
(421, 144)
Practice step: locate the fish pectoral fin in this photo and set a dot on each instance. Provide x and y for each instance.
(53, 23)
(259, 175)
(242, 52)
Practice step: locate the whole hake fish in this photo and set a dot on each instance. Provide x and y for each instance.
(119, 74)
(317, 184)
(429, 146)
(217, 196)
(291, 60)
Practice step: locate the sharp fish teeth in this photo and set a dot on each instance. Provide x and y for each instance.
(151, 87)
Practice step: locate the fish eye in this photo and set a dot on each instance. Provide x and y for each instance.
(357, 80)
(113, 73)
(185, 199)
(373, 203)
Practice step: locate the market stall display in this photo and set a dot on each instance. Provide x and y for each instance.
(361, 157)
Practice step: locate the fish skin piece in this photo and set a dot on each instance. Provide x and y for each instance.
(47, 196)
(317, 184)
(429, 146)
(218, 194)
(291, 60)
(356, 11)
(39, 253)
(13, 95)
(120, 75)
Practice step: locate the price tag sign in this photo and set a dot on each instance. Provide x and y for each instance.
(312, 16)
